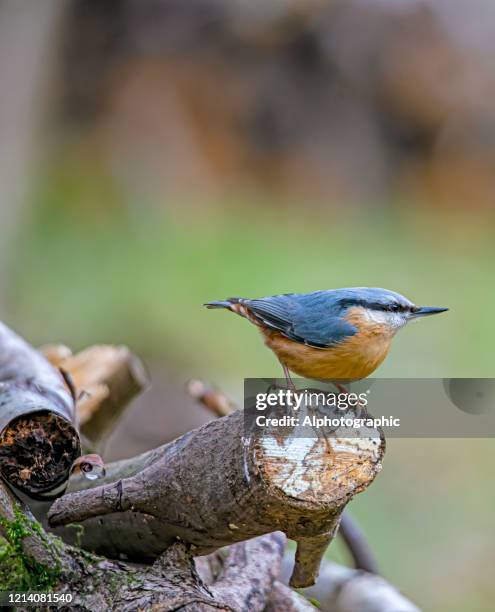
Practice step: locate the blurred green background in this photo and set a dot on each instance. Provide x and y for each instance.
(171, 156)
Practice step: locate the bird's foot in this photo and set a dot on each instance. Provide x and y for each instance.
(290, 383)
(360, 411)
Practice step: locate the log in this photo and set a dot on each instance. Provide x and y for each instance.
(250, 488)
(44, 563)
(343, 589)
(219, 404)
(55, 353)
(246, 572)
(38, 437)
(215, 486)
(245, 576)
(105, 379)
(283, 598)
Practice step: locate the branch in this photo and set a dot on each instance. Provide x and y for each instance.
(145, 503)
(246, 576)
(309, 553)
(213, 400)
(38, 439)
(355, 540)
(284, 598)
(29, 543)
(106, 378)
(352, 535)
(342, 589)
(55, 353)
(248, 486)
(39, 561)
(44, 563)
(248, 572)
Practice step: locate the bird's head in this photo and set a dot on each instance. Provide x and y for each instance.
(380, 307)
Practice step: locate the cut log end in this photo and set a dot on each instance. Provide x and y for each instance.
(317, 476)
(37, 452)
(326, 471)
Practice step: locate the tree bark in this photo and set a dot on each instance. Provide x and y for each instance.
(220, 405)
(244, 582)
(342, 589)
(284, 599)
(215, 486)
(105, 379)
(38, 438)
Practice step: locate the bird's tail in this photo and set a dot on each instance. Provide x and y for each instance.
(236, 305)
(223, 304)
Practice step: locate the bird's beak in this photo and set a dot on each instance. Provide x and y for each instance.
(426, 311)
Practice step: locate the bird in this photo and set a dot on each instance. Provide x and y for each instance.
(336, 335)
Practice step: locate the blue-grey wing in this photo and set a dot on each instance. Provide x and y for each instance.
(306, 318)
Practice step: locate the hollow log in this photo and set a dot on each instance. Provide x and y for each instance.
(216, 485)
(38, 437)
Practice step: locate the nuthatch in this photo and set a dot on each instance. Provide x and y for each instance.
(336, 335)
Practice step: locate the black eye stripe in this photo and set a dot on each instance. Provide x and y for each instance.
(389, 307)
(376, 306)
(398, 308)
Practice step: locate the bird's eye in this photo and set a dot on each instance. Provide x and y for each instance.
(394, 307)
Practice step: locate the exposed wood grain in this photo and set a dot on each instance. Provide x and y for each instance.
(106, 378)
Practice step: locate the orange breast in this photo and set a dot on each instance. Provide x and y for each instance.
(352, 359)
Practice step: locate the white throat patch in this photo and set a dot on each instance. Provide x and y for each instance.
(394, 320)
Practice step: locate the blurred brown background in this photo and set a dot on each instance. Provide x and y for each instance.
(157, 154)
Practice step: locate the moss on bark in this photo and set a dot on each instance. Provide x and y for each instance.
(18, 570)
